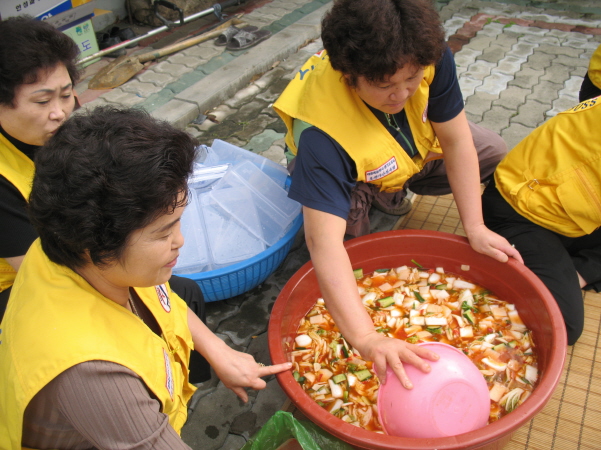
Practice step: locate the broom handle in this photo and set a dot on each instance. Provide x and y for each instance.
(149, 56)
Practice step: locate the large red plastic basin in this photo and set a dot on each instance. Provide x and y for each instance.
(511, 281)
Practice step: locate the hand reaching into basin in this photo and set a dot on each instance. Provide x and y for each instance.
(385, 351)
(324, 233)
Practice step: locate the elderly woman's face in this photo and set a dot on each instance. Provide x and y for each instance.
(39, 109)
(390, 96)
(150, 255)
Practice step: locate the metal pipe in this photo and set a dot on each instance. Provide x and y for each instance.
(198, 15)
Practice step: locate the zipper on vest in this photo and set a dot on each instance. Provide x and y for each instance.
(587, 186)
(396, 127)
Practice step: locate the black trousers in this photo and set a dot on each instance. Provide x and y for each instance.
(190, 292)
(554, 258)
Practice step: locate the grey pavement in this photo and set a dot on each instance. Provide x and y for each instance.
(519, 63)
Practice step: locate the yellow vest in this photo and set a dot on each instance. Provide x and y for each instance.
(17, 169)
(594, 68)
(553, 177)
(56, 320)
(319, 96)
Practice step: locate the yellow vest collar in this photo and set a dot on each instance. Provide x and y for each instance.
(319, 96)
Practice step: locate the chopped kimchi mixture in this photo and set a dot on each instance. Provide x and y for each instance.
(416, 305)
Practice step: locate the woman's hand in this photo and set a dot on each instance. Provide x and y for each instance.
(492, 244)
(239, 370)
(385, 351)
(324, 233)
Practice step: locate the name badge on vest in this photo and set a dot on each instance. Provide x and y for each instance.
(163, 297)
(385, 169)
(168, 374)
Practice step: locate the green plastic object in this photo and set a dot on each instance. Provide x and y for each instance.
(283, 426)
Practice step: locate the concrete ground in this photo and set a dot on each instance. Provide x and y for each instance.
(519, 63)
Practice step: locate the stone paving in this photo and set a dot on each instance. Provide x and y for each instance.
(519, 63)
(183, 85)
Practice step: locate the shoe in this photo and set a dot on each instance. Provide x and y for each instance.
(125, 34)
(400, 210)
(245, 39)
(105, 40)
(226, 37)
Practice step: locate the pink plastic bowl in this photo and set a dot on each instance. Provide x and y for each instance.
(452, 399)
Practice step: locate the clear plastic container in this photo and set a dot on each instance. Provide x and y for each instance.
(274, 209)
(204, 177)
(226, 223)
(206, 156)
(194, 256)
(230, 154)
(229, 236)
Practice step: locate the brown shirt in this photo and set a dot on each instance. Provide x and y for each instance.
(98, 404)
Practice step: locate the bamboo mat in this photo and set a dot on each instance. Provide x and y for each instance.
(572, 418)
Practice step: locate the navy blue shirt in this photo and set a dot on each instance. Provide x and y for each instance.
(324, 174)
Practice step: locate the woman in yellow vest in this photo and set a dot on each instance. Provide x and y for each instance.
(379, 111)
(94, 344)
(546, 200)
(37, 79)
(591, 85)
(37, 75)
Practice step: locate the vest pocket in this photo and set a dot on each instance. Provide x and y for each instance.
(566, 206)
(580, 203)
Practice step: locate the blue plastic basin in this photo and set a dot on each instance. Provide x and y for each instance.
(243, 276)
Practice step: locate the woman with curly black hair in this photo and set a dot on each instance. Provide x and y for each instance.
(37, 79)
(95, 347)
(38, 74)
(378, 112)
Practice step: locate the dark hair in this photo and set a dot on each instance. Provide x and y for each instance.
(28, 46)
(105, 174)
(375, 38)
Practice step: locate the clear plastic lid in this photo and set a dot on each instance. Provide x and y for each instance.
(275, 211)
(204, 177)
(194, 256)
(230, 236)
(230, 154)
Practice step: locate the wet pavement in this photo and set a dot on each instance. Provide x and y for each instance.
(519, 63)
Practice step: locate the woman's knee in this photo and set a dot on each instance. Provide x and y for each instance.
(491, 149)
